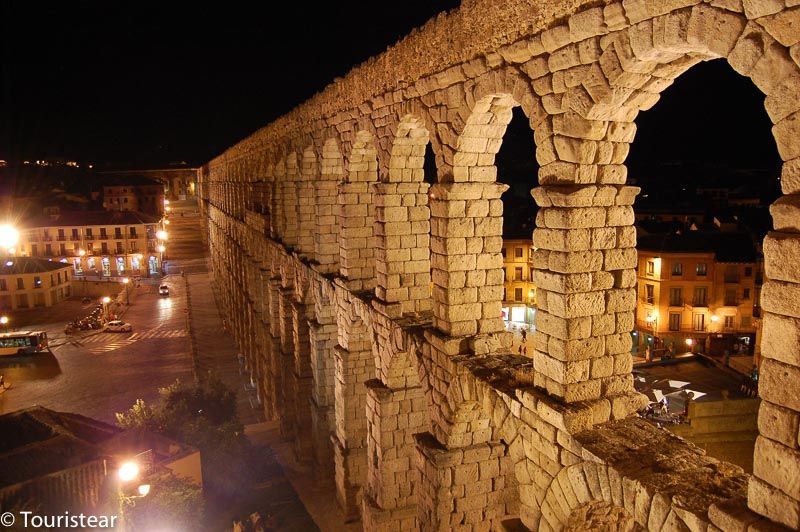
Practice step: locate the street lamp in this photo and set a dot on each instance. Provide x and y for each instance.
(161, 235)
(126, 282)
(4, 322)
(9, 237)
(161, 250)
(653, 319)
(106, 300)
(128, 470)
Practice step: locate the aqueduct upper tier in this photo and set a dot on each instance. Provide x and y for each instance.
(367, 302)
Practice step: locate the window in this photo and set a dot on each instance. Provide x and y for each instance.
(699, 322)
(729, 322)
(748, 271)
(517, 274)
(62, 249)
(649, 291)
(3, 285)
(103, 232)
(517, 253)
(676, 297)
(700, 296)
(117, 232)
(133, 232)
(530, 253)
(746, 293)
(20, 283)
(518, 294)
(132, 246)
(74, 234)
(530, 276)
(674, 321)
(120, 247)
(651, 268)
(104, 248)
(90, 247)
(701, 269)
(59, 277)
(52, 280)
(48, 249)
(34, 250)
(730, 297)
(677, 269)
(89, 232)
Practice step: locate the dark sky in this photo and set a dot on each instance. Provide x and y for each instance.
(147, 83)
(152, 82)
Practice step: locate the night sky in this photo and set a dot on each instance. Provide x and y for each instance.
(149, 83)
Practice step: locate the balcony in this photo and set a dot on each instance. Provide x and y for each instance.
(89, 237)
(75, 238)
(734, 279)
(61, 238)
(731, 302)
(103, 237)
(700, 303)
(676, 302)
(47, 238)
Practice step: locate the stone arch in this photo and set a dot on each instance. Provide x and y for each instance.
(463, 419)
(403, 225)
(326, 212)
(290, 212)
(278, 219)
(634, 67)
(357, 214)
(309, 171)
(576, 493)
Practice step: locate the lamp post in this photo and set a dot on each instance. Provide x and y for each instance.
(653, 319)
(127, 282)
(161, 250)
(4, 322)
(106, 300)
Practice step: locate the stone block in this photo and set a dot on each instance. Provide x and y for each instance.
(778, 465)
(781, 298)
(780, 338)
(780, 384)
(779, 424)
(786, 214)
(773, 503)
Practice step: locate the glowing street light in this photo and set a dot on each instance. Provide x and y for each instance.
(161, 235)
(9, 236)
(143, 490)
(126, 282)
(81, 252)
(106, 300)
(128, 471)
(4, 321)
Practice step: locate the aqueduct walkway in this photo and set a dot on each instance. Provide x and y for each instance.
(367, 302)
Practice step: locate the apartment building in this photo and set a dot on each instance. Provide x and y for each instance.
(519, 298)
(698, 291)
(27, 282)
(134, 193)
(103, 243)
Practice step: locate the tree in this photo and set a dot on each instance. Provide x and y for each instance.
(173, 503)
(202, 415)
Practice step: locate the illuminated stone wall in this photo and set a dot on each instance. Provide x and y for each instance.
(367, 303)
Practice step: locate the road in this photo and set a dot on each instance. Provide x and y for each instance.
(98, 374)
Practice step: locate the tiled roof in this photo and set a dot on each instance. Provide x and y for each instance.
(23, 265)
(83, 218)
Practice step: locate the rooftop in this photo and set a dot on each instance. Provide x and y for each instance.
(38, 441)
(727, 247)
(80, 218)
(22, 265)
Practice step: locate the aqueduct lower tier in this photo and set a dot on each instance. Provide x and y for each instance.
(367, 302)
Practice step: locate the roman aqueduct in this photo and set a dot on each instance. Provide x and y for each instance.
(367, 302)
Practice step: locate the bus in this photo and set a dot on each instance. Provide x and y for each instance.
(23, 342)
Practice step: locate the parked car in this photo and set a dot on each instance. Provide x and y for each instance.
(118, 326)
(163, 290)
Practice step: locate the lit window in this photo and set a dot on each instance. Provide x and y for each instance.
(651, 268)
(702, 269)
(677, 268)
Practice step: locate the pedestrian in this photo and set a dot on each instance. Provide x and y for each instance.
(525, 350)
(524, 335)
(238, 525)
(257, 522)
(520, 349)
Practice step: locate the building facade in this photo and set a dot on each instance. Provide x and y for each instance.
(100, 243)
(178, 183)
(27, 282)
(134, 193)
(519, 292)
(697, 297)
